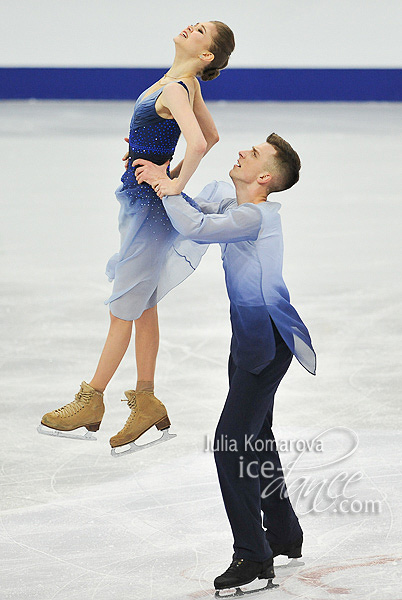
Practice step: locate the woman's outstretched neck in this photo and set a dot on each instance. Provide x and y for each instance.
(183, 67)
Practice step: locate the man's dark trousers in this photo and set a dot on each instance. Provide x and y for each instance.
(248, 412)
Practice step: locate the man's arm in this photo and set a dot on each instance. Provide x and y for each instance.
(236, 225)
(210, 198)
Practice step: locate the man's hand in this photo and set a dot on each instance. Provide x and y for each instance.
(156, 177)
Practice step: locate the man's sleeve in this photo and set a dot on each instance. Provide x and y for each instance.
(236, 225)
(209, 199)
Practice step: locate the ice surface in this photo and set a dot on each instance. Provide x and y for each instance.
(75, 523)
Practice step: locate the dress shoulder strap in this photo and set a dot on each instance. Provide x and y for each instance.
(185, 87)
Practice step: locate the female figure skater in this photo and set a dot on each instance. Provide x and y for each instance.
(152, 257)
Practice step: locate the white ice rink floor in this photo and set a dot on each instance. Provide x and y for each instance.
(76, 523)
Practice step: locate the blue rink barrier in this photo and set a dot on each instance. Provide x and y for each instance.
(361, 85)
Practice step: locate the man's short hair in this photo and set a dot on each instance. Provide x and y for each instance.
(287, 161)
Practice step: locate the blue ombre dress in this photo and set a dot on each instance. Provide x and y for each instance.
(153, 257)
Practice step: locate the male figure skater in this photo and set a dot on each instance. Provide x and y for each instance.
(266, 333)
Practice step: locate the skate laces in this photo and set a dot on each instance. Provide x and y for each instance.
(235, 564)
(132, 404)
(81, 399)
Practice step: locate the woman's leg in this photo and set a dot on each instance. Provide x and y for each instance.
(115, 348)
(146, 348)
(117, 341)
(146, 409)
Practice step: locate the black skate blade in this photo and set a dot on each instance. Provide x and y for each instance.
(294, 563)
(133, 447)
(44, 430)
(238, 592)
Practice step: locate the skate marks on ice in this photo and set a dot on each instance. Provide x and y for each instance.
(124, 537)
(105, 527)
(354, 578)
(320, 582)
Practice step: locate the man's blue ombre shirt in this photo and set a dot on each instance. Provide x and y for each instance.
(251, 240)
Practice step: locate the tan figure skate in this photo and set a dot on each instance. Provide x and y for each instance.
(85, 411)
(146, 411)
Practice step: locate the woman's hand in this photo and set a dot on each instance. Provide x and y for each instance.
(167, 187)
(125, 157)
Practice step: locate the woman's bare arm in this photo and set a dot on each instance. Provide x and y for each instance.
(204, 118)
(205, 122)
(175, 98)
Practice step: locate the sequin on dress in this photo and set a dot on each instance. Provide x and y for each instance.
(153, 258)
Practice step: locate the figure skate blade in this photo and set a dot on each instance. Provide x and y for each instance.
(89, 436)
(165, 437)
(294, 563)
(238, 592)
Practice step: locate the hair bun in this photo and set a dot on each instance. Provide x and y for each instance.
(210, 73)
(222, 46)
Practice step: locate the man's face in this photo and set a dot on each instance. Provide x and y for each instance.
(254, 163)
